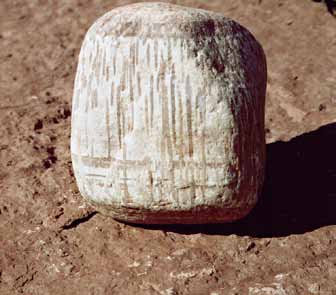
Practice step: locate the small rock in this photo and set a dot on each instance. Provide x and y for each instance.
(250, 246)
(38, 125)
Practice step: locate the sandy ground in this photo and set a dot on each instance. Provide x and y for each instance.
(51, 242)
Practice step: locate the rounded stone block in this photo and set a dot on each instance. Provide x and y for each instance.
(168, 116)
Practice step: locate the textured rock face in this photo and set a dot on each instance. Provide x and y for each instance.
(168, 116)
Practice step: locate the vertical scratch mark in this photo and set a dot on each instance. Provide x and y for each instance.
(187, 181)
(188, 48)
(163, 114)
(94, 55)
(172, 100)
(150, 184)
(166, 139)
(90, 57)
(139, 83)
(203, 155)
(123, 75)
(189, 114)
(88, 96)
(118, 115)
(94, 99)
(216, 173)
(158, 82)
(114, 62)
(196, 113)
(83, 79)
(92, 145)
(115, 59)
(87, 112)
(181, 52)
(131, 94)
(86, 135)
(181, 135)
(151, 97)
(107, 123)
(133, 57)
(121, 87)
(107, 73)
(156, 53)
(169, 52)
(148, 55)
(97, 64)
(146, 115)
(124, 153)
(91, 138)
(122, 127)
(112, 93)
(103, 69)
(137, 52)
(193, 188)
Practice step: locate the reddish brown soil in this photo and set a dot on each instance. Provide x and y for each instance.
(51, 242)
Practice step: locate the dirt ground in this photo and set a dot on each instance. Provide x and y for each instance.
(52, 242)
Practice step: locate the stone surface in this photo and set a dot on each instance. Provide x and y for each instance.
(51, 242)
(168, 115)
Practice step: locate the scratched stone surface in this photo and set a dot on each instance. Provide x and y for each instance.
(52, 242)
(168, 115)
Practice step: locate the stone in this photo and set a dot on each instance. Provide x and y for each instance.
(168, 116)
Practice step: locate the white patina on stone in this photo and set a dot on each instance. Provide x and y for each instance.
(168, 115)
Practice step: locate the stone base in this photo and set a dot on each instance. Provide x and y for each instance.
(197, 215)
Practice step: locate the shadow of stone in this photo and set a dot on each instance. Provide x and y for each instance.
(330, 4)
(299, 193)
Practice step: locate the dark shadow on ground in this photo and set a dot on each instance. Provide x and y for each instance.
(299, 194)
(330, 4)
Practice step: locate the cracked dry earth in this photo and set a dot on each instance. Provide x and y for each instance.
(52, 242)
